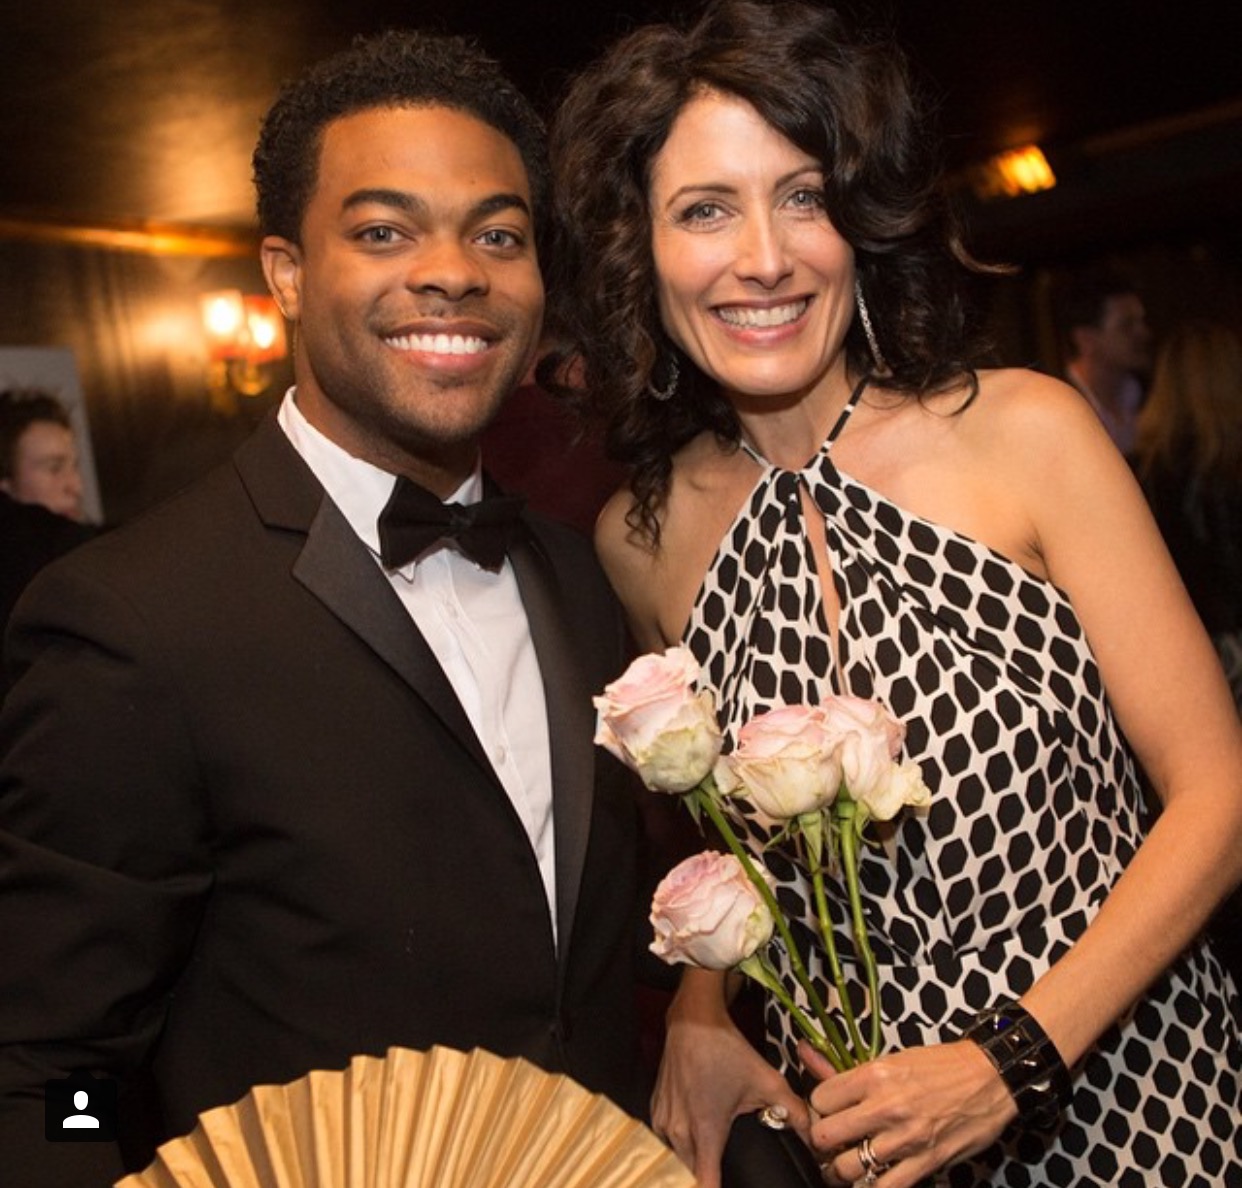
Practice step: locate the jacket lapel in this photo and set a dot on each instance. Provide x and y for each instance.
(337, 568)
(570, 725)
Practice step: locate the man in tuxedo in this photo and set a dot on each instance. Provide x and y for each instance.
(287, 775)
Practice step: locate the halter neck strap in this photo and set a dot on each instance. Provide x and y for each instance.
(850, 405)
(833, 433)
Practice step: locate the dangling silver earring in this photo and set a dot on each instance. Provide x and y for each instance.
(881, 364)
(665, 392)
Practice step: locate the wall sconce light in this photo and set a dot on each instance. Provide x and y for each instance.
(1009, 174)
(244, 335)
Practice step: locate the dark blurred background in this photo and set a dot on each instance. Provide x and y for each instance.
(126, 130)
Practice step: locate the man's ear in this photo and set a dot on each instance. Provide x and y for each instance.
(282, 267)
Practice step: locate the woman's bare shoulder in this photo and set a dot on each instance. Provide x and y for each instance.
(617, 543)
(1017, 399)
(657, 580)
(1024, 424)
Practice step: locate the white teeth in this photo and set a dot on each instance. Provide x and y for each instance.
(439, 344)
(779, 315)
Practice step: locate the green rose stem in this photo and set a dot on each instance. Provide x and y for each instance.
(835, 1047)
(834, 962)
(846, 812)
(757, 968)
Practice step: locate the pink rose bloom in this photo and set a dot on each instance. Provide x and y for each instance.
(901, 787)
(707, 912)
(652, 719)
(789, 761)
(870, 739)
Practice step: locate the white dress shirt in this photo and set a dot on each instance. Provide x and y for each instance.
(475, 623)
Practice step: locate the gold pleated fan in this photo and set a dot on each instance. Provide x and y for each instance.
(435, 1119)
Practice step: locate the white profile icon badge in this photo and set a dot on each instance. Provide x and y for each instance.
(81, 1121)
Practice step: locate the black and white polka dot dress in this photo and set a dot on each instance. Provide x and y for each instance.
(1035, 812)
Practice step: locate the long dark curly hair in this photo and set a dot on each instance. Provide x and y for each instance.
(845, 100)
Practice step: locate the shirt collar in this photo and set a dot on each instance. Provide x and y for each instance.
(358, 488)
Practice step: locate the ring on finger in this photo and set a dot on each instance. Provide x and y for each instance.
(774, 1117)
(872, 1164)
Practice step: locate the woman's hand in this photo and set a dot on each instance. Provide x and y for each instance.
(921, 1109)
(709, 1074)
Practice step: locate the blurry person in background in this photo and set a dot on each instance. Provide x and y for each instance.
(1188, 457)
(40, 491)
(32, 536)
(38, 453)
(1108, 348)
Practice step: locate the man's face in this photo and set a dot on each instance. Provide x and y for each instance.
(45, 469)
(1123, 339)
(415, 289)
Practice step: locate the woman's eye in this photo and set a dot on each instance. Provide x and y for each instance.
(807, 199)
(702, 212)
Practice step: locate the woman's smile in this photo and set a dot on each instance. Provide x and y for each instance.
(762, 317)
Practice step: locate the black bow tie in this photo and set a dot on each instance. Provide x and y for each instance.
(414, 519)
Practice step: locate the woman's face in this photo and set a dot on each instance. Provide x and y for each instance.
(754, 282)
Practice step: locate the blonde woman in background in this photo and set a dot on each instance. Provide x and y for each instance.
(1188, 456)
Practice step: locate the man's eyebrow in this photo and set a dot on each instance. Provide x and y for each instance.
(498, 202)
(400, 199)
(412, 204)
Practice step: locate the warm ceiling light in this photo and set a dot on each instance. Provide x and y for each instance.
(243, 335)
(1009, 174)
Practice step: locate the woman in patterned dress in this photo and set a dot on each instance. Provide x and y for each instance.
(826, 496)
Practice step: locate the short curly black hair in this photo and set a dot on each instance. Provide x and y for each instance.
(397, 68)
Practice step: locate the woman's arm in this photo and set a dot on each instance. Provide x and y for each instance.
(1165, 683)
(710, 1074)
(709, 1071)
(632, 570)
(1091, 528)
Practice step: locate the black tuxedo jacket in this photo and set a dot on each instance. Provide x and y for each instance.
(246, 829)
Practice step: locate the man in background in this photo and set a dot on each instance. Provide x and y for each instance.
(38, 453)
(1108, 348)
(40, 491)
(32, 537)
(299, 765)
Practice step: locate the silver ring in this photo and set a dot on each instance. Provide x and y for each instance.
(774, 1117)
(872, 1164)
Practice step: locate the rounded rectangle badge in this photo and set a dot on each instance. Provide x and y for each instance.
(80, 1108)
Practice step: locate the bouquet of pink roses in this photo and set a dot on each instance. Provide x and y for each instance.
(820, 772)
